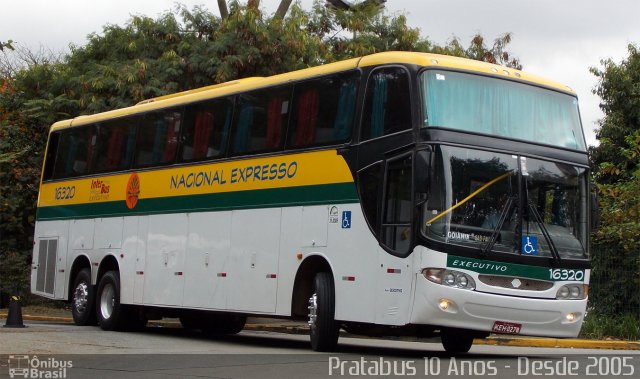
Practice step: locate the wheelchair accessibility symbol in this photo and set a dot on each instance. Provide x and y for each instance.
(346, 220)
(529, 245)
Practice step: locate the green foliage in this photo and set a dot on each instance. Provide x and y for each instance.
(615, 279)
(604, 326)
(619, 90)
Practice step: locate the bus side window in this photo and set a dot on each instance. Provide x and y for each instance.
(50, 159)
(323, 111)
(388, 103)
(398, 208)
(158, 138)
(117, 138)
(261, 120)
(76, 152)
(206, 129)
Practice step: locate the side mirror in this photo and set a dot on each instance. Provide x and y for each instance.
(595, 212)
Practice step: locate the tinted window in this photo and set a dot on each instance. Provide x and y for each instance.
(323, 110)
(76, 152)
(116, 142)
(50, 159)
(260, 120)
(158, 138)
(396, 225)
(206, 129)
(388, 103)
(369, 187)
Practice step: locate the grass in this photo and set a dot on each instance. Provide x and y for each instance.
(607, 327)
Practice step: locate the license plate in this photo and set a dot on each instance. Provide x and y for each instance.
(506, 327)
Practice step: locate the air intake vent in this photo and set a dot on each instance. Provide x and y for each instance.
(47, 257)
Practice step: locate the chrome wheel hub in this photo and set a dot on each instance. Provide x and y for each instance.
(313, 310)
(107, 301)
(81, 297)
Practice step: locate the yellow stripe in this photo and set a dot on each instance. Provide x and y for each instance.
(291, 170)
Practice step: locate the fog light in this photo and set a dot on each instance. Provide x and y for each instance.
(571, 317)
(444, 304)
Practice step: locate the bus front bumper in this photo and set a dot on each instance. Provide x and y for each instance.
(440, 305)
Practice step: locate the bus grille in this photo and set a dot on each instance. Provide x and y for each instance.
(515, 283)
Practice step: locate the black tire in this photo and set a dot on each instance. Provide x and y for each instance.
(224, 325)
(83, 299)
(457, 341)
(111, 314)
(323, 330)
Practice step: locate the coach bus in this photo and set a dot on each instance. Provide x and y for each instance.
(393, 194)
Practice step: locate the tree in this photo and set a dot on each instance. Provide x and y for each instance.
(616, 263)
(619, 90)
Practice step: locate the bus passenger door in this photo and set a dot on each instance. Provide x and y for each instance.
(395, 275)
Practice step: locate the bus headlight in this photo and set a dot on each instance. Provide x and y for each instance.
(572, 292)
(449, 278)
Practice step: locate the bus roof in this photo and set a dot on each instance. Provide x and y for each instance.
(246, 84)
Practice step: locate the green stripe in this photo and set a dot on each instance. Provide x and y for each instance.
(514, 269)
(339, 193)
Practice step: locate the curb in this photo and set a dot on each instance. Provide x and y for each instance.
(490, 341)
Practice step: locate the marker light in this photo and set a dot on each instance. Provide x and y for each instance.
(444, 304)
(571, 317)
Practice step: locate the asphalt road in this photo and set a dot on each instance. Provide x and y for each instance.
(63, 350)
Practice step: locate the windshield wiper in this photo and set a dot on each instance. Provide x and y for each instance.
(545, 232)
(505, 214)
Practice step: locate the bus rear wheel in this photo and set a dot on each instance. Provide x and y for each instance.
(323, 329)
(111, 314)
(457, 341)
(83, 299)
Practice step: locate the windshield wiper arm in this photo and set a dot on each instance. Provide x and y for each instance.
(504, 215)
(545, 232)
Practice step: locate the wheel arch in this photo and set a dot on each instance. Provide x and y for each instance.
(303, 283)
(80, 262)
(108, 263)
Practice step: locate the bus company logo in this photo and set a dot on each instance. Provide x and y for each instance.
(133, 191)
(24, 366)
(99, 190)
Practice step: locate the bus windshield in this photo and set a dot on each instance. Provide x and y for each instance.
(475, 200)
(502, 108)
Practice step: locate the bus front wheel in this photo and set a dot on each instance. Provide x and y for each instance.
(457, 341)
(323, 329)
(83, 299)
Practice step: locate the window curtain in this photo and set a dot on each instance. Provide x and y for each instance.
(245, 120)
(344, 113)
(379, 104)
(500, 107)
(171, 143)
(201, 135)
(308, 106)
(159, 140)
(114, 149)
